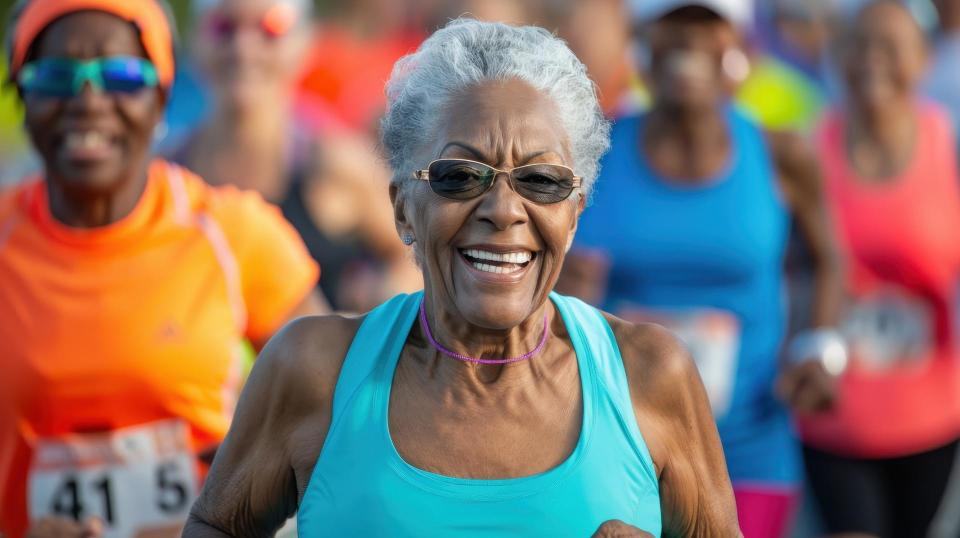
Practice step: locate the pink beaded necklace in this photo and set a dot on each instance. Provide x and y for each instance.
(459, 357)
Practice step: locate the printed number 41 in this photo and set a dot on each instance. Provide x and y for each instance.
(70, 499)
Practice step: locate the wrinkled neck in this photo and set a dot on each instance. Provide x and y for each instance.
(457, 335)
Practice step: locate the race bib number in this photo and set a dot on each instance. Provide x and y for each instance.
(713, 339)
(138, 481)
(889, 328)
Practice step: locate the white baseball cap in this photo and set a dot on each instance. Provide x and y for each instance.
(738, 12)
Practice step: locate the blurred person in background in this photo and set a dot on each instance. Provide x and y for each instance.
(943, 80)
(879, 462)
(513, 12)
(126, 284)
(353, 51)
(329, 183)
(486, 405)
(597, 31)
(688, 228)
(780, 90)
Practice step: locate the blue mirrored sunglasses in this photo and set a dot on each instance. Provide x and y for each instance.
(65, 77)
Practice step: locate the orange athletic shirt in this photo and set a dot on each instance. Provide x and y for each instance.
(134, 322)
(903, 256)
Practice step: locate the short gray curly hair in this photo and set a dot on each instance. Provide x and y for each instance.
(468, 52)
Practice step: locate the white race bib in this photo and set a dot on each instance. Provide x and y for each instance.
(138, 480)
(889, 328)
(713, 339)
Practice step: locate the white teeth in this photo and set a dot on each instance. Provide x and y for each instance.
(487, 268)
(85, 140)
(507, 257)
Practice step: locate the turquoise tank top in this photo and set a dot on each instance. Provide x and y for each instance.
(361, 486)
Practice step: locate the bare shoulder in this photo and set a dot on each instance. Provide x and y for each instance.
(293, 383)
(796, 161)
(673, 414)
(278, 430)
(668, 398)
(305, 357)
(655, 360)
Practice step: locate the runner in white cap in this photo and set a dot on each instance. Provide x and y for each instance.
(739, 12)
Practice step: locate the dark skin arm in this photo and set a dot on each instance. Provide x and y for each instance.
(802, 185)
(674, 416)
(313, 304)
(264, 463)
(807, 386)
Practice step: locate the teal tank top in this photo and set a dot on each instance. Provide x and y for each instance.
(361, 486)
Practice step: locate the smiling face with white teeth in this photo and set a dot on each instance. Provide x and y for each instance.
(492, 260)
(95, 144)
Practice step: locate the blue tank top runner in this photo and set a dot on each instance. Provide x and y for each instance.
(707, 261)
(361, 486)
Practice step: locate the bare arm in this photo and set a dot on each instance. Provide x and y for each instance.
(802, 185)
(674, 415)
(281, 421)
(807, 386)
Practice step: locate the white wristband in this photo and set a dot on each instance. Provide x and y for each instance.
(826, 345)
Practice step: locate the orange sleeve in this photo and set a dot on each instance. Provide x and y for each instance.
(276, 270)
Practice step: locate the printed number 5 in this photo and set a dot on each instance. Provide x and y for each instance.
(171, 490)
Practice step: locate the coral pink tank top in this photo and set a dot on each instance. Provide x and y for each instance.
(901, 393)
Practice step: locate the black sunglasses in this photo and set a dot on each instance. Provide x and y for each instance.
(462, 179)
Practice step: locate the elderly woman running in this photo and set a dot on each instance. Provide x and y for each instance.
(485, 405)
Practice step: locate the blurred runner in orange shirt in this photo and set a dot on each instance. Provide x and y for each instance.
(126, 284)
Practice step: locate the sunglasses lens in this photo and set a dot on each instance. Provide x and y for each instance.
(544, 183)
(274, 24)
(459, 180)
(61, 77)
(50, 77)
(220, 28)
(127, 75)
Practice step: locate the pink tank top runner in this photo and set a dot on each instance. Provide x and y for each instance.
(901, 237)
